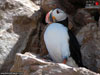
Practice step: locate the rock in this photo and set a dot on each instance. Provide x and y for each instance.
(89, 38)
(37, 2)
(47, 5)
(91, 53)
(17, 19)
(81, 19)
(30, 64)
(73, 5)
(27, 62)
(87, 33)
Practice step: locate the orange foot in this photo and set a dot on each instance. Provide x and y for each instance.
(64, 62)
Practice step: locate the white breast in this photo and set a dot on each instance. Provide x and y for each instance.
(57, 41)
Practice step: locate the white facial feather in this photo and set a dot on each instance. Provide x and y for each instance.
(59, 14)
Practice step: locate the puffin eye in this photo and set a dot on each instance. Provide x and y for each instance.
(57, 12)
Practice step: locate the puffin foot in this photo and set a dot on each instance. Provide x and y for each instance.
(64, 62)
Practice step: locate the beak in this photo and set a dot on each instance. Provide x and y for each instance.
(47, 19)
(54, 19)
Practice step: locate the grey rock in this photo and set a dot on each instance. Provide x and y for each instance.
(89, 38)
(15, 26)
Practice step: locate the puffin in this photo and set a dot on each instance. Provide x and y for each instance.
(60, 41)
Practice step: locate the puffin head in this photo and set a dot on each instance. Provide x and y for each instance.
(55, 15)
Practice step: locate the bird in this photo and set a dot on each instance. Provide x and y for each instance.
(60, 41)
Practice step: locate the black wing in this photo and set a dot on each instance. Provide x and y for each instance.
(75, 49)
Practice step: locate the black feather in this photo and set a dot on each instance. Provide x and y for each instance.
(64, 22)
(75, 49)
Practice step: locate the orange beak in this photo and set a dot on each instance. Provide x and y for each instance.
(53, 17)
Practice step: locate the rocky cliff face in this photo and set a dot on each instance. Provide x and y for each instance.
(22, 25)
(15, 26)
